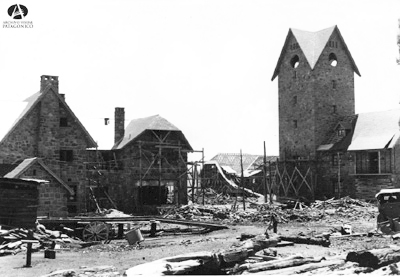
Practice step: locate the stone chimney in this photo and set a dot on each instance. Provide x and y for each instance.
(46, 80)
(119, 130)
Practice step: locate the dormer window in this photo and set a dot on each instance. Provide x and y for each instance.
(341, 132)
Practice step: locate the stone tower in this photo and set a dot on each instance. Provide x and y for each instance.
(316, 89)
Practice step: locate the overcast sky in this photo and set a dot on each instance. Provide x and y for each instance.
(205, 66)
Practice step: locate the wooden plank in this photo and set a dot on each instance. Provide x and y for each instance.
(213, 226)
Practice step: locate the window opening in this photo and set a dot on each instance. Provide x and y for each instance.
(295, 123)
(66, 155)
(63, 122)
(374, 162)
(295, 61)
(333, 59)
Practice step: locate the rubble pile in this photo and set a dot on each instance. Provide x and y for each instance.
(331, 210)
(211, 197)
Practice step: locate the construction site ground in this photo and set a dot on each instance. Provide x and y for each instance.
(121, 255)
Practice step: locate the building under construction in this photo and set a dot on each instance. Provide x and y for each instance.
(146, 167)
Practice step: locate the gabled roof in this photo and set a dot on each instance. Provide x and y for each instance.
(312, 44)
(138, 126)
(34, 100)
(340, 143)
(370, 131)
(376, 130)
(27, 163)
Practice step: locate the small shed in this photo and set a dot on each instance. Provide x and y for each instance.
(19, 200)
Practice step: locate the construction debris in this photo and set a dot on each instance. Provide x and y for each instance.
(331, 210)
(11, 241)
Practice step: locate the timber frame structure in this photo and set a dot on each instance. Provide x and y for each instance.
(146, 168)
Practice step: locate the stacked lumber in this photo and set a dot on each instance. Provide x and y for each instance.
(11, 241)
(244, 260)
(249, 256)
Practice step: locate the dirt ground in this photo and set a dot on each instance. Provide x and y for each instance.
(121, 255)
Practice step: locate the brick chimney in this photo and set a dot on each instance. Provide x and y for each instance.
(46, 80)
(119, 130)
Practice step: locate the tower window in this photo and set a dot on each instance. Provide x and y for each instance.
(334, 84)
(66, 155)
(294, 100)
(333, 59)
(63, 122)
(334, 108)
(295, 123)
(295, 61)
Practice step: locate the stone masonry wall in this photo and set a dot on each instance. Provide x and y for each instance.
(40, 135)
(295, 103)
(22, 143)
(333, 88)
(309, 99)
(52, 196)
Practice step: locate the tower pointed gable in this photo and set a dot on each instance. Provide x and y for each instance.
(312, 44)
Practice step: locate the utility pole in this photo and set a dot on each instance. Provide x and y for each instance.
(338, 159)
(265, 176)
(398, 40)
(241, 180)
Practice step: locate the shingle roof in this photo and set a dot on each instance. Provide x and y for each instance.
(312, 44)
(32, 102)
(339, 143)
(137, 126)
(376, 130)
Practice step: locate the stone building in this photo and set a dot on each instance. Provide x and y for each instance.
(47, 141)
(315, 87)
(146, 168)
(349, 154)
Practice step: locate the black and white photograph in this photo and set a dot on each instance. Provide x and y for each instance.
(199, 137)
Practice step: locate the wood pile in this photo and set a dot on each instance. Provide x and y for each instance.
(258, 255)
(11, 241)
(97, 271)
